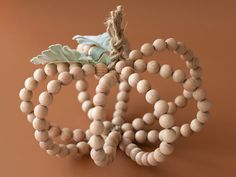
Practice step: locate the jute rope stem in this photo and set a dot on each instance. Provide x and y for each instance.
(118, 41)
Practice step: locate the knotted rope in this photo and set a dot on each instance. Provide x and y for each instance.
(118, 41)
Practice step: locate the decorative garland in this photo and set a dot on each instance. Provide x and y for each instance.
(106, 56)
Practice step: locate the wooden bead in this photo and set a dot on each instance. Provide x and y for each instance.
(181, 49)
(129, 134)
(126, 126)
(77, 73)
(122, 96)
(204, 105)
(168, 135)
(62, 67)
(179, 76)
(153, 67)
(50, 69)
(98, 113)
(96, 142)
(129, 148)
(54, 86)
(138, 124)
(171, 44)
(187, 56)
(140, 66)
(166, 71)
(185, 130)
(124, 86)
(121, 105)
(196, 73)
(158, 156)
(126, 72)
(31, 84)
(78, 135)
(134, 152)
(181, 101)
(144, 159)
(166, 148)
(120, 65)
(88, 134)
(196, 126)
(45, 98)
(117, 121)
(87, 105)
(65, 78)
(88, 69)
(135, 54)
(26, 107)
(96, 127)
(107, 126)
(103, 88)
(152, 96)
(166, 121)
(161, 107)
(54, 132)
(40, 124)
(143, 86)
(47, 145)
(105, 80)
(83, 96)
(193, 64)
(149, 119)
(191, 84)
(25, 95)
(55, 150)
(39, 74)
(172, 108)
(81, 85)
(41, 135)
(63, 151)
(202, 116)
(30, 117)
(199, 94)
(97, 155)
(66, 134)
(134, 79)
(141, 136)
(72, 149)
(83, 148)
(147, 49)
(151, 160)
(101, 69)
(159, 45)
(177, 131)
(138, 157)
(118, 113)
(187, 94)
(99, 99)
(40, 111)
(152, 136)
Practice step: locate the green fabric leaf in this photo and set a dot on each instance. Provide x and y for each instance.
(101, 40)
(58, 53)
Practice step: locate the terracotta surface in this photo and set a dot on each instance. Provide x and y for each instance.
(208, 27)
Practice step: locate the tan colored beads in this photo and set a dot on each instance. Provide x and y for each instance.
(102, 139)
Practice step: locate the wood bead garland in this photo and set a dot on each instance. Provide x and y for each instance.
(103, 137)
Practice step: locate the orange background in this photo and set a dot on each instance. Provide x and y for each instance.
(208, 27)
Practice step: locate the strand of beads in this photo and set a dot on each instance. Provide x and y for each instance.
(191, 85)
(44, 132)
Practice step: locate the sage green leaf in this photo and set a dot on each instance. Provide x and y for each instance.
(101, 40)
(59, 53)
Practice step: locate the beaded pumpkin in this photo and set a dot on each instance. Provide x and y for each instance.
(107, 56)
